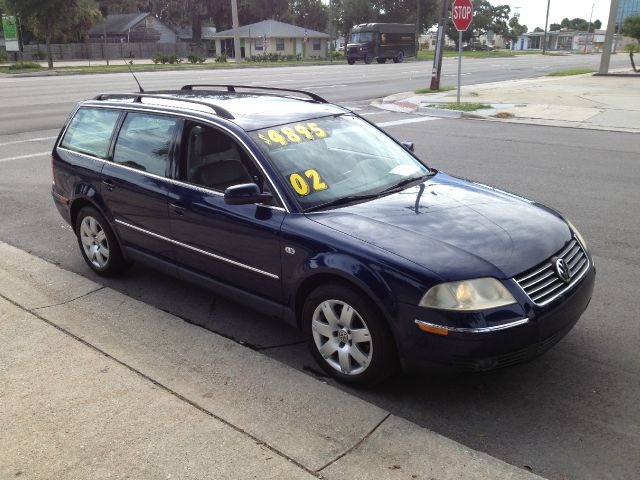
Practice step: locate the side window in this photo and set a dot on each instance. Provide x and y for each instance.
(212, 159)
(90, 131)
(144, 141)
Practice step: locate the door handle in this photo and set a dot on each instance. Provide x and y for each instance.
(178, 207)
(108, 183)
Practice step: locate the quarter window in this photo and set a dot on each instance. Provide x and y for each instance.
(144, 141)
(90, 131)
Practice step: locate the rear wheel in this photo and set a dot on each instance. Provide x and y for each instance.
(382, 60)
(368, 58)
(98, 243)
(399, 58)
(351, 61)
(347, 335)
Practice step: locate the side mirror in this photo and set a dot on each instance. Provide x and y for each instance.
(245, 194)
(409, 146)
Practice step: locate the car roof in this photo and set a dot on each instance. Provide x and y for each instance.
(251, 110)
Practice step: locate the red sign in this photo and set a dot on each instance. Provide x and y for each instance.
(462, 14)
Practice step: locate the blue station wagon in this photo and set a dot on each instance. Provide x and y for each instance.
(306, 211)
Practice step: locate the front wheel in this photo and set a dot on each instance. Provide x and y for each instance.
(98, 244)
(347, 335)
(351, 61)
(368, 58)
(382, 60)
(399, 58)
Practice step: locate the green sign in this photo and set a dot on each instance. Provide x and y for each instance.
(10, 33)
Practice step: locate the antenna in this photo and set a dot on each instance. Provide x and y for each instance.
(134, 76)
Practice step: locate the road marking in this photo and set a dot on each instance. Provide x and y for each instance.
(20, 157)
(353, 109)
(408, 120)
(320, 87)
(368, 114)
(41, 139)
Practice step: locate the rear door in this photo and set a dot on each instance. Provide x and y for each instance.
(135, 184)
(237, 244)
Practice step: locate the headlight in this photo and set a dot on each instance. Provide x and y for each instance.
(468, 295)
(577, 234)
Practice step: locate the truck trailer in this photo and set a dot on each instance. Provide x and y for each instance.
(382, 42)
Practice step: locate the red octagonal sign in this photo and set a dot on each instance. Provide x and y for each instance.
(462, 14)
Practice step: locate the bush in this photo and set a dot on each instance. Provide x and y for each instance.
(222, 58)
(195, 58)
(3, 56)
(24, 66)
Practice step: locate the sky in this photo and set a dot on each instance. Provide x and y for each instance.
(533, 12)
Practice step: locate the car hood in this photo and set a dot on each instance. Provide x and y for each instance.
(455, 228)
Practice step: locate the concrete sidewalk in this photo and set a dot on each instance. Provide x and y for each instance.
(581, 101)
(94, 384)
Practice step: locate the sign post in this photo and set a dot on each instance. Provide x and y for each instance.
(11, 40)
(462, 16)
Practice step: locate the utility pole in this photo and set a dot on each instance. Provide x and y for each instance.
(437, 58)
(589, 31)
(608, 41)
(546, 26)
(331, 49)
(417, 27)
(236, 32)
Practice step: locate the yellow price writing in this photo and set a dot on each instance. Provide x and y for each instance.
(292, 134)
(300, 182)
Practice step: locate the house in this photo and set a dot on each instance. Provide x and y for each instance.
(568, 41)
(131, 28)
(271, 36)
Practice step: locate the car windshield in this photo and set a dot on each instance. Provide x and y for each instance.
(361, 37)
(330, 160)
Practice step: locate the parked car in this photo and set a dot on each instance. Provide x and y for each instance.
(303, 210)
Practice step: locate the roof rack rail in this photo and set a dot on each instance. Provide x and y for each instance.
(137, 98)
(232, 88)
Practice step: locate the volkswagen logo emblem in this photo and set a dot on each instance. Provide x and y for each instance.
(562, 269)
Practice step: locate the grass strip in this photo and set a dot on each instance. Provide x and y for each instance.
(462, 107)
(568, 73)
(428, 90)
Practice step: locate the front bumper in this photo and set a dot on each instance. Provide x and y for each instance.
(487, 346)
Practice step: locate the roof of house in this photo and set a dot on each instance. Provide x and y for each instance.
(186, 33)
(271, 29)
(118, 24)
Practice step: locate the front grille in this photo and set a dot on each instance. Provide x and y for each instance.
(543, 284)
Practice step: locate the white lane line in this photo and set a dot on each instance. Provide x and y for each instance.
(368, 114)
(319, 87)
(20, 157)
(404, 122)
(41, 139)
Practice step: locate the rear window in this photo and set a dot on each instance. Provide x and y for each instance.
(90, 131)
(144, 141)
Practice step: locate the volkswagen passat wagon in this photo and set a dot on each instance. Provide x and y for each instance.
(306, 211)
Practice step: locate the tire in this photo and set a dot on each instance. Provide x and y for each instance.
(368, 58)
(399, 58)
(348, 336)
(351, 61)
(98, 244)
(382, 60)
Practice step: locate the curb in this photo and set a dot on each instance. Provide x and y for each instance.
(261, 399)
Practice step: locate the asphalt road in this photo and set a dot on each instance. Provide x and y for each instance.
(571, 414)
(23, 99)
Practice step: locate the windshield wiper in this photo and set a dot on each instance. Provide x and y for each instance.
(343, 201)
(407, 181)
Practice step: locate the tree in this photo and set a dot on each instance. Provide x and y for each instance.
(631, 28)
(578, 24)
(45, 18)
(486, 17)
(538, 30)
(311, 14)
(516, 29)
(554, 27)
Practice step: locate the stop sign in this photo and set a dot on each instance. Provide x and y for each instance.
(462, 14)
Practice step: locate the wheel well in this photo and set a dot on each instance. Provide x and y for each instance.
(315, 281)
(76, 206)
